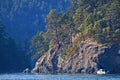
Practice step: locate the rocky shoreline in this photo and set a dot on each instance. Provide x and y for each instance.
(90, 58)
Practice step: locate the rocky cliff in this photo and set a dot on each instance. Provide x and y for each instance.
(90, 58)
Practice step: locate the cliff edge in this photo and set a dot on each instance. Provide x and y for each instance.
(90, 58)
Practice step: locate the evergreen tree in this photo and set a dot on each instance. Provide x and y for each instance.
(95, 19)
(10, 54)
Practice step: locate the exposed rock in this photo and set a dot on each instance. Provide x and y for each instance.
(47, 63)
(26, 70)
(90, 58)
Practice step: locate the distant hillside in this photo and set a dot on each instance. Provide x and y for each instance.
(23, 18)
(12, 57)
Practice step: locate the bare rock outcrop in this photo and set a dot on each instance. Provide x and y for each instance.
(90, 57)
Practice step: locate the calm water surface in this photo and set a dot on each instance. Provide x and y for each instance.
(58, 77)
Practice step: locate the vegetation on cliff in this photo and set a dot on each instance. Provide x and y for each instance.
(95, 19)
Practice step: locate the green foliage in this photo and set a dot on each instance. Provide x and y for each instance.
(113, 14)
(96, 19)
(117, 34)
(39, 45)
(69, 50)
(97, 27)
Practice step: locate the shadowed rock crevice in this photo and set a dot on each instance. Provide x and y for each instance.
(110, 59)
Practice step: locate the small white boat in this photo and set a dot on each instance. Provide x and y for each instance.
(101, 71)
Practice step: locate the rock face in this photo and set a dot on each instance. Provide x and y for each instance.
(90, 58)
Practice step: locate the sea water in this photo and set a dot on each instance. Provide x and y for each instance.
(58, 77)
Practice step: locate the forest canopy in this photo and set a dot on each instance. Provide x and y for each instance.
(98, 20)
(12, 57)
